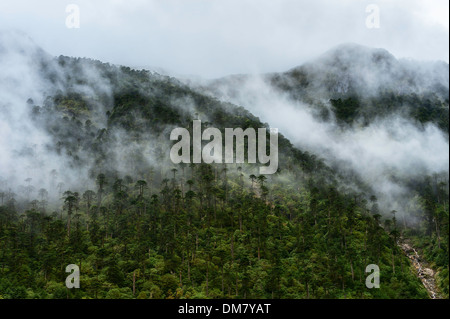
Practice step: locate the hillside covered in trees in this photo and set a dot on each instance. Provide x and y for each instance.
(97, 189)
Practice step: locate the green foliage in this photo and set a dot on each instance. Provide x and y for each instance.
(346, 110)
(313, 242)
(198, 231)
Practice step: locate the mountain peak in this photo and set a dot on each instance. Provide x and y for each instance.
(348, 54)
(18, 42)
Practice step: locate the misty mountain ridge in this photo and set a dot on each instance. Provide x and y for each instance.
(353, 83)
(364, 111)
(356, 69)
(85, 174)
(18, 42)
(105, 107)
(81, 117)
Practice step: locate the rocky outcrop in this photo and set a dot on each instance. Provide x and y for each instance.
(424, 272)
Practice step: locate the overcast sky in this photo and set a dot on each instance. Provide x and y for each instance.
(212, 38)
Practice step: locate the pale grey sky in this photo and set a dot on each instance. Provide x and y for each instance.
(212, 38)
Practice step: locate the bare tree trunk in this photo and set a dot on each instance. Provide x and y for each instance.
(223, 287)
(134, 282)
(351, 267)
(438, 232)
(393, 262)
(68, 227)
(207, 279)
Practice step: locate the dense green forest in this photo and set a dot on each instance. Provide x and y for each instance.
(155, 230)
(206, 233)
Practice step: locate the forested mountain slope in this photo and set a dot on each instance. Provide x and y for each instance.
(361, 84)
(86, 179)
